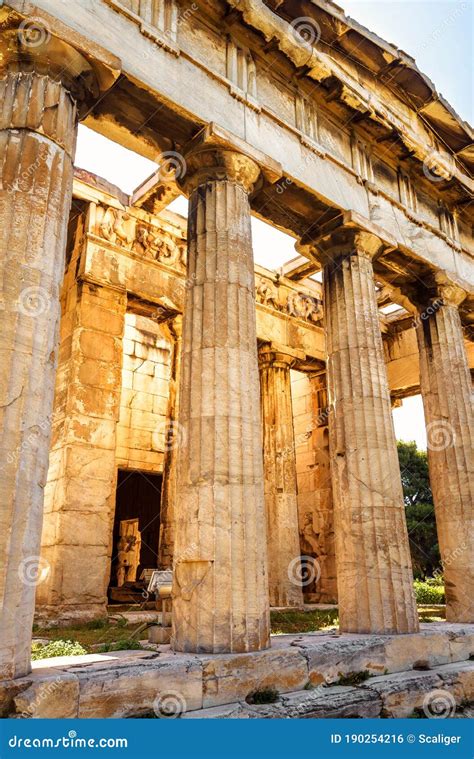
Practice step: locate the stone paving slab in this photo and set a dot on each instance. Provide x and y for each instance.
(129, 683)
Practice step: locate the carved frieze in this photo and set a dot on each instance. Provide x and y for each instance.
(150, 241)
(282, 298)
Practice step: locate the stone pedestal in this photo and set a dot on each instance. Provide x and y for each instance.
(220, 590)
(42, 81)
(374, 572)
(168, 490)
(279, 464)
(446, 389)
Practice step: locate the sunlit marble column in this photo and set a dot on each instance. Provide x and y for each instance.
(374, 573)
(325, 588)
(220, 588)
(446, 389)
(42, 82)
(279, 463)
(173, 438)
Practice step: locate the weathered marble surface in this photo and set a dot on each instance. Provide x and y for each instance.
(279, 471)
(220, 583)
(305, 670)
(446, 388)
(374, 573)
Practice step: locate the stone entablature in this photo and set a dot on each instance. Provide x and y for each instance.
(423, 233)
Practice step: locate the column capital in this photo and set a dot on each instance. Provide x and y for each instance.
(349, 241)
(278, 357)
(449, 291)
(33, 42)
(427, 299)
(347, 235)
(217, 155)
(208, 163)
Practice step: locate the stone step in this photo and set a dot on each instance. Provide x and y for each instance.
(131, 683)
(447, 690)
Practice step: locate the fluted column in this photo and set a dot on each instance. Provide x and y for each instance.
(447, 400)
(173, 437)
(42, 80)
(279, 464)
(325, 588)
(220, 589)
(374, 572)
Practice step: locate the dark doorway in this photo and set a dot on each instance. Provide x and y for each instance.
(138, 501)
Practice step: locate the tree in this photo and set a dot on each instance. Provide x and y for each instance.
(419, 509)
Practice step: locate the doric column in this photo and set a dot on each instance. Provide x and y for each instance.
(447, 400)
(43, 81)
(220, 589)
(173, 439)
(322, 533)
(279, 465)
(374, 574)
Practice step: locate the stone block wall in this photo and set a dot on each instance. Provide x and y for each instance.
(146, 366)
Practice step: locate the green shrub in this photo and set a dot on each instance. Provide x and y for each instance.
(263, 696)
(120, 645)
(353, 678)
(57, 648)
(429, 591)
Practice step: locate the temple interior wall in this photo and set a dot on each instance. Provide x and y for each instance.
(144, 396)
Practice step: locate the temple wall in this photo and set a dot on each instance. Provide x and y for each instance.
(144, 397)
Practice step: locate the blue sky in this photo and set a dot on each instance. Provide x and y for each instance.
(438, 34)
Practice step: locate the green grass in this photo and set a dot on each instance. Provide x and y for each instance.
(302, 621)
(88, 634)
(120, 645)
